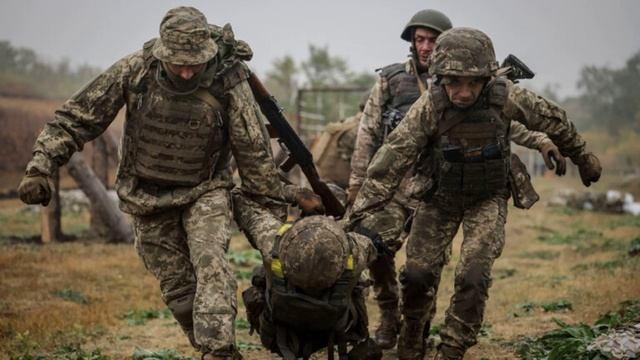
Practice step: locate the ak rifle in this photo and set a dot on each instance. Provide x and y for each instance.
(297, 152)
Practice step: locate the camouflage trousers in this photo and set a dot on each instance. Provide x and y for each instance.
(184, 248)
(434, 227)
(258, 224)
(389, 223)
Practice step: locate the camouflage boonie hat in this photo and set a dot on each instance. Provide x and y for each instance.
(463, 52)
(185, 38)
(313, 253)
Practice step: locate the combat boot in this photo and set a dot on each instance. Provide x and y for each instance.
(411, 342)
(388, 328)
(209, 356)
(448, 353)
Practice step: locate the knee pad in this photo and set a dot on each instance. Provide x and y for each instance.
(182, 310)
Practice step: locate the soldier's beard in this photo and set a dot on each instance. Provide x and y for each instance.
(176, 84)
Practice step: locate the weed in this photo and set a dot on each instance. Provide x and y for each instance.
(503, 273)
(604, 265)
(580, 235)
(557, 279)
(243, 274)
(571, 341)
(75, 352)
(634, 247)
(560, 305)
(71, 295)
(244, 345)
(541, 254)
(242, 324)
(625, 220)
(164, 354)
(435, 329)
(140, 317)
(485, 330)
(245, 257)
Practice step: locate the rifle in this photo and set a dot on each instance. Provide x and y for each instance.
(514, 69)
(294, 147)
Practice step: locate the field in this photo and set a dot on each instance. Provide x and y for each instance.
(89, 299)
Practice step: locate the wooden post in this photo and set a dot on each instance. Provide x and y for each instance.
(120, 230)
(100, 166)
(50, 219)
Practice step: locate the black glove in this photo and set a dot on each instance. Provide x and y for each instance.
(589, 167)
(375, 238)
(35, 189)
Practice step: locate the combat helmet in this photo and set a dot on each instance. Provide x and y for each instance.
(463, 51)
(185, 38)
(314, 253)
(429, 18)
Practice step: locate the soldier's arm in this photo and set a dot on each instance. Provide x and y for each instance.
(82, 118)
(251, 149)
(390, 164)
(520, 135)
(539, 114)
(369, 136)
(362, 250)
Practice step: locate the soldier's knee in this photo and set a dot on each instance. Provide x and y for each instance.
(182, 310)
(418, 278)
(475, 279)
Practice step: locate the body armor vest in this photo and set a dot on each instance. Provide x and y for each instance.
(177, 138)
(473, 148)
(333, 158)
(404, 91)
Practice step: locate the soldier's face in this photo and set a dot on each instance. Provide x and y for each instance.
(186, 72)
(463, 91)
(423, 40)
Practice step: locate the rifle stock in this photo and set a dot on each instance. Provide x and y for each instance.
(296, 150)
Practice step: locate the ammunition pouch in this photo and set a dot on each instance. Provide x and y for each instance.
(524, 195)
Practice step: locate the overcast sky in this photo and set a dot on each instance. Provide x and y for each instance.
(555, 38)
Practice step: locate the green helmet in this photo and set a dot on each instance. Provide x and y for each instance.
(429, 18)
(463, 52)
(314, 253)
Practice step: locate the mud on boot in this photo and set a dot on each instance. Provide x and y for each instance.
(411, 343)
(388, 329)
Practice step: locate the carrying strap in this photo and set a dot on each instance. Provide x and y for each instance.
(421, 84)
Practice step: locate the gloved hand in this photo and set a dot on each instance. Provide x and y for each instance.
(35, 189)
(550, 152)
(375, 238)
(309, 202)
(352, 192)
(589, 167)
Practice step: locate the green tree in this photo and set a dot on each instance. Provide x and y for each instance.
(612, 96)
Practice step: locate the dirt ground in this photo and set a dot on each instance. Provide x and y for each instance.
(87, 296)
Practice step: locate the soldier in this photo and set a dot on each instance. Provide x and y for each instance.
(189, 107)
(333, 149)
(398, 87)
(308, 295)
(463, 122)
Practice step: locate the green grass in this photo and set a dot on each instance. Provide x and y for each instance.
(558, 305)
(570, 341)
(141, 316)
(580, 235)
(540, 254)
(163, 354)
(72, 295)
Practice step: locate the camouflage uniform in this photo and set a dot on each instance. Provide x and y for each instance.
(181, 217)
(333, 149)
(482, 214)
(319, 270)
(390, 221)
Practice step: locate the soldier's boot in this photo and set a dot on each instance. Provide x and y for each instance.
(446, 352)
(209, 356)
(388, 328)
(411, 342)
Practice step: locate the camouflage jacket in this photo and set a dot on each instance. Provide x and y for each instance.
(89, 112)
(371, 134)
(419, 128)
